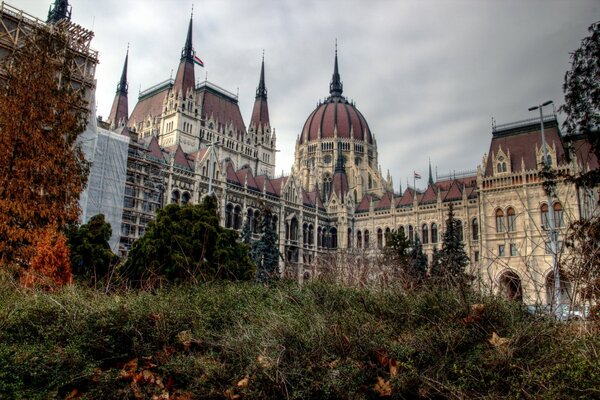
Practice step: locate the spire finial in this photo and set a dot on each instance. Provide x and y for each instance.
(336, 87)
(122, 86)
(261, 91)
(187, 53)
(430, 181)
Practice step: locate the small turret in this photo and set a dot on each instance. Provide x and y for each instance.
(60, 10)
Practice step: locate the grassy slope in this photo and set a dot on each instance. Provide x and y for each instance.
(318, 341)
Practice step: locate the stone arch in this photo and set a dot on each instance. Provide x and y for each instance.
(510, 285)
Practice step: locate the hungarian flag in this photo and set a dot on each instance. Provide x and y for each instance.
(417, 175)
(197, 60)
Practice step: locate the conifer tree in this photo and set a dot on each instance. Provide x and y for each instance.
(246, 235)
(41, 171)
(418, 261)
(452, 260)
(266, 249)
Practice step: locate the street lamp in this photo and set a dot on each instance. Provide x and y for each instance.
(551, 222)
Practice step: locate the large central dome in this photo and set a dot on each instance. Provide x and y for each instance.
(336, 117)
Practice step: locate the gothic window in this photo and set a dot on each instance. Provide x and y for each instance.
(311, 235)
(185, 198)
(319, 237)
(475, 229)
(499, 221)
(370, 181)
(359, 239)
(366, 239)
(228, 216)
(379, 238)
(411, 233)
(237, 217)
(333, 238)
(558, 215)
(175, 197)
(256, 222)
(250, 219)
(544, 212)
(434, 233)
(459, 229)
(511, 219)
(401, 229)
(425, 234)
(349, 245)
(294, 229)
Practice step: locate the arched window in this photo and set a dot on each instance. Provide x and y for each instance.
(503, 167)
(305, 234)
(544, 213)
(349, 245)
(333, 238)
(459, 230)
(475, 229)
(366, 239)
(411, 233)
(228, 216)
(175, 197)
(358, 239)
(434, 233)
(274, 223)
(425, 234)
(510, 286)
(311, 235)
(386, 235)
(558, 215)
(319, 237)
(250, 219)
(256, 222)
(511, 219)
(294, 229)
(237, 217)
(499, 221)
(185, 198)
(401, 229)
(379, 238)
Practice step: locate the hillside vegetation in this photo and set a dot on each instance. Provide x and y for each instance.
(248, 340)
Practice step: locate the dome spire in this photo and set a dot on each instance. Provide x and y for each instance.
(187, 53)
(185, 78)
(122, 86)
(336, 87)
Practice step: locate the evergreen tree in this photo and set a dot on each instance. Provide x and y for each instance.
(188, 242)
(246, 234)
(42, 173)
(418, 261)
(452, 259)
(396, 247)
(266, 249)
(91, 256)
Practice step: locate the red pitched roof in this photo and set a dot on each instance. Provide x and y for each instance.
(340, 184)
(222, 109)
(231, 175)
(155, 150)
(455, 192)
(279, 183)
(430, 195)
(260, 113)
(385, 202)
(521, 141)
(245, 175)
(181, 159)
(364, 203)
(151, 105)
(407, 198)
(264, 181)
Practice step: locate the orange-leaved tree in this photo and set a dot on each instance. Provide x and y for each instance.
(50, 265)
(42, 172)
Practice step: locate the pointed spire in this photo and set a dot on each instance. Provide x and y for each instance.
(61, 10)
(187, 53)
(122, 85)
(185, 79)
(261, 91)
(336, 87)
(430, 174)
(119, 112)
(260, 112)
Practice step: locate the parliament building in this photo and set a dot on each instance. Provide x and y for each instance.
(186, 139)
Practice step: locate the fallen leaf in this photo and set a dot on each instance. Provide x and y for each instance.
(264, 361)
(382, 387)
(243, 383)
(231, 395)
(128, 370)
(73, 395)
(498, 341)
(382, 357)
(393, 367)
(478, 309)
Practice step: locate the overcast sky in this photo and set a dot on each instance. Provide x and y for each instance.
(427, 75)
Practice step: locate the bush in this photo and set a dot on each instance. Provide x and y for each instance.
(221, 340)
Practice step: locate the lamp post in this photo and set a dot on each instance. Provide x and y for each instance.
(551, 222)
